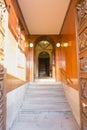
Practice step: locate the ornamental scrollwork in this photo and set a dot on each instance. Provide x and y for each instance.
(83, 83)
(83, 64)
(2, 97)
(82, 11)
(82, 39)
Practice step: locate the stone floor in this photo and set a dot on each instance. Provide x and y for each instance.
(45, 107)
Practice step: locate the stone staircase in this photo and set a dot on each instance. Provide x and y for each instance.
(44, 107)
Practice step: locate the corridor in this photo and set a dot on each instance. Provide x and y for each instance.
(44, 107)
(43, 40)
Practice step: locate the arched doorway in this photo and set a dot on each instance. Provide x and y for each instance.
(44, 58)
(44, 64)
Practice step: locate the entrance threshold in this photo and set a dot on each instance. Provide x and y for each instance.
(45, 80)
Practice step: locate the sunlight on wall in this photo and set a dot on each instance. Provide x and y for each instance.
(15, 60)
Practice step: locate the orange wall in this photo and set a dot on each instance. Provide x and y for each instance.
(70, 62)
(69, 53)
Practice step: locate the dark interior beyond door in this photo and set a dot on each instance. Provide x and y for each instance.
(44, 64)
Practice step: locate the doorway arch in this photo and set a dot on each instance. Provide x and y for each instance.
(44, 56)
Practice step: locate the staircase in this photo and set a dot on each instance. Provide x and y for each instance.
(44, 107)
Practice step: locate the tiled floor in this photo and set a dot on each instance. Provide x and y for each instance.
(45, 107)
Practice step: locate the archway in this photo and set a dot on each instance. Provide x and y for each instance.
(44, 56)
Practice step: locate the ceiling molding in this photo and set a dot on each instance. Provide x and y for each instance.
(20, 15)
(65, 16)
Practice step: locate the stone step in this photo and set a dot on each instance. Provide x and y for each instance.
(45, 80)
(44, 89)
(26, 103)
(33, 85)
(46, 93)
(45, 100)
(30, 116)
(32, 89)
(45, 107)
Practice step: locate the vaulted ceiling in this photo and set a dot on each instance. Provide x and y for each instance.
(44, 16)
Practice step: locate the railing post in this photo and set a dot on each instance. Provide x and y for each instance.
(2, 98)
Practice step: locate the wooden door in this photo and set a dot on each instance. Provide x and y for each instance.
(81, 12)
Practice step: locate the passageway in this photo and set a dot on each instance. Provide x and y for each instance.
(44, 107)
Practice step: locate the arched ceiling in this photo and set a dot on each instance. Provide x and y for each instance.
(44, 17)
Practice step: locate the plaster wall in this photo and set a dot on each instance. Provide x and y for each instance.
(14, 101)
(73, 99)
